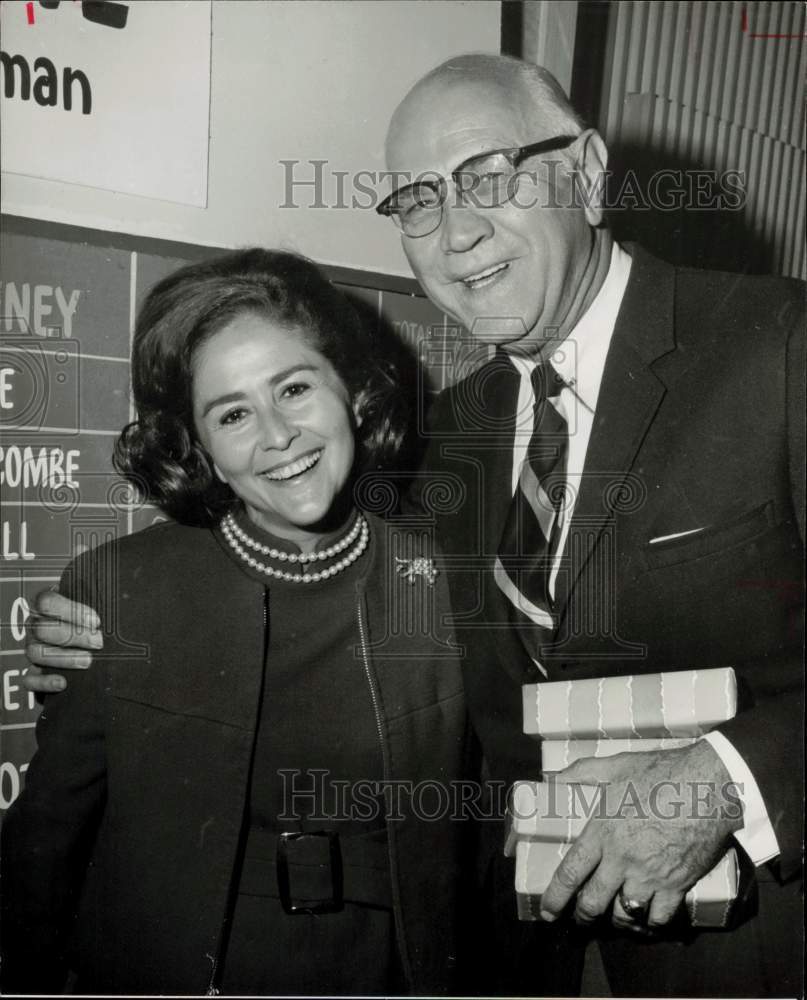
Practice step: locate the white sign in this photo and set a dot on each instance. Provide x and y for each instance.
(108, 95)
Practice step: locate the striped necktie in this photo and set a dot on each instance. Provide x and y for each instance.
(532, 529)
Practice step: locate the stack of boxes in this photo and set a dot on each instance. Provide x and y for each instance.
(600, 717)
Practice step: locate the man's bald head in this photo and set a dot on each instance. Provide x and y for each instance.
(532, 92)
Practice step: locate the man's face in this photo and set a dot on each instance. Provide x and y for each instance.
(523, 266)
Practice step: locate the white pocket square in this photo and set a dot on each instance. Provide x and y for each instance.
(677, 534)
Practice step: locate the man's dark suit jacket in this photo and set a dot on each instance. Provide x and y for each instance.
(699, 425)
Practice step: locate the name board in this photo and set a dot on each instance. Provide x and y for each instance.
(108, 95)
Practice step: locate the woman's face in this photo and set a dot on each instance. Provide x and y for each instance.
(276, 420)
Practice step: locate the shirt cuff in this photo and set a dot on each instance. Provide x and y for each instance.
(756, 838)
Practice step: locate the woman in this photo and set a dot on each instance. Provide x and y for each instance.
(232, 799)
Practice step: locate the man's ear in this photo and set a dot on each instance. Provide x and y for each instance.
(592, 160)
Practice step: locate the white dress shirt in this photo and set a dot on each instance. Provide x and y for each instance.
(580, 362)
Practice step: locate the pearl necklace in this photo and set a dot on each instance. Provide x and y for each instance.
(293, 557)
(235, 535)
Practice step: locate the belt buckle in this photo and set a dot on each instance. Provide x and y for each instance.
(332, 905)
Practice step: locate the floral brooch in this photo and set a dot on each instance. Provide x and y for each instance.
(410, 569)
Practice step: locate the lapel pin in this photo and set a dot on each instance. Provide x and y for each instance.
(410, 569)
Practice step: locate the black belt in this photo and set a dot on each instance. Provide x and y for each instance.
(317, 871)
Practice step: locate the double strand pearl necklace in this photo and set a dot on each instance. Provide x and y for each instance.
(237, 538)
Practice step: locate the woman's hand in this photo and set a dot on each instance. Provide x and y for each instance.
(62, 635)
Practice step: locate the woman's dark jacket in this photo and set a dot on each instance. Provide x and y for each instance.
(142, 770)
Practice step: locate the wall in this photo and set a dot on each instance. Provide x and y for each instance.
(548, 36)
(290, 80)
(693, 87)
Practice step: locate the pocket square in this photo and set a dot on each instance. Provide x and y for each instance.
(677, 534)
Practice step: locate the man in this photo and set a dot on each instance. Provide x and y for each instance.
(668, 423)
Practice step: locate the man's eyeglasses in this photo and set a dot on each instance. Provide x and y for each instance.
(484, 181)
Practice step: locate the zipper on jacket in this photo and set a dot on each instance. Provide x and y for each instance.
(365, 656)
(387, 769)
(212, 989)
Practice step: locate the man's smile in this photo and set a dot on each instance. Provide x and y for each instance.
(483, 278)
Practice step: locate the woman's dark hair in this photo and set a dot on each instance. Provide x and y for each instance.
(160, 452)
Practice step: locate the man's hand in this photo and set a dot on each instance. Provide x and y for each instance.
(62, 635)
(664, 820)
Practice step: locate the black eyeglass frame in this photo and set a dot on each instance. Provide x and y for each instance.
(514, 155)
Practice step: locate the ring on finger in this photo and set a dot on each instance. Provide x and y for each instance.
(634, 909)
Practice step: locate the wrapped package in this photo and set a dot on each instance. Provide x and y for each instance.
(548, 810)
(709, 902)
(536, 861)
(683, 703)
(557, 754)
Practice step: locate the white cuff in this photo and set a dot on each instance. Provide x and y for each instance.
(756, 838)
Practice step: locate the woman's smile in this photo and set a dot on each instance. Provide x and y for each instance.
(295, 470)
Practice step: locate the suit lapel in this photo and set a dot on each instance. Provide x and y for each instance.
(482, 452)
(629, 398)
(498, 462)
(484, 415)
